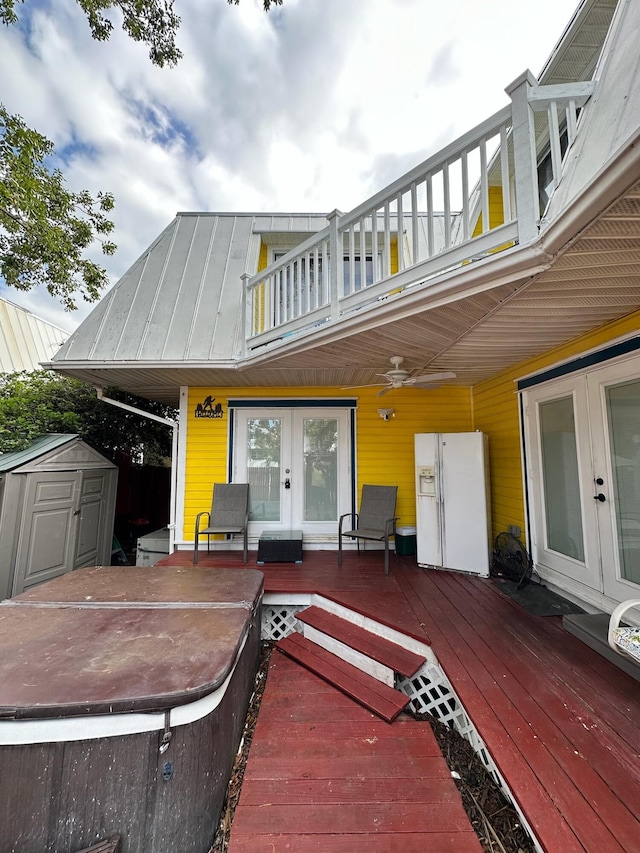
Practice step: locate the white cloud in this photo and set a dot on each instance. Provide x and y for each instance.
(314, 106)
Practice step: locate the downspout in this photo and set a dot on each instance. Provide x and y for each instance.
(174, 455)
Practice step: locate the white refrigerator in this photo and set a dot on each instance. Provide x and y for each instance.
(452, 501)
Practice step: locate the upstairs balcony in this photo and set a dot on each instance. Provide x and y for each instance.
(483, 194)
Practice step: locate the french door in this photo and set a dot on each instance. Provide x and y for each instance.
(614, 393)
(298, 465)
(584, 452)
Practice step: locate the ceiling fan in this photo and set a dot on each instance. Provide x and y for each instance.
(398, 377)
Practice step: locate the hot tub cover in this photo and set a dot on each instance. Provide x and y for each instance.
(118, 639)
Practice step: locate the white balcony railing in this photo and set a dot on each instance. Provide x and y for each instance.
(477, 196)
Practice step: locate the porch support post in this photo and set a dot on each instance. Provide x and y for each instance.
(244, 331)
(524, 154)
(335, 264)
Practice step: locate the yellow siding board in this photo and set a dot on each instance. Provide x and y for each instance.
(393, 255)
(259, 299)
(263, 258)
(496, 211)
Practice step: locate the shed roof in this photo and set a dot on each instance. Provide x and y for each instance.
(43, 444)
(55, 451)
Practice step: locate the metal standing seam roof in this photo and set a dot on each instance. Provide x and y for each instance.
(181, 300)
(25, 340)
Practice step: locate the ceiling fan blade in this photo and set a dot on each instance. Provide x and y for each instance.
(385, 390)
(352, 387)
(429, 378)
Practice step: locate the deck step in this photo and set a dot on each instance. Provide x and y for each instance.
(378, 648)
(364, 689)
(593, 629)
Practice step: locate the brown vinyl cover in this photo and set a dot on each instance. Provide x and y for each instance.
(120, 639)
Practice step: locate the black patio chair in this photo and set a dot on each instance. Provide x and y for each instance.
(376, 520)
(229, 514)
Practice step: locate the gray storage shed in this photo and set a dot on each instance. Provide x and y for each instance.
(57, 504)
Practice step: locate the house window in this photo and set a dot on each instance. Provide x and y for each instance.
(298, 286)
(362, 278)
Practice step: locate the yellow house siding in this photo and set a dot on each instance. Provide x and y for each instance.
(207, 441)
(259, 298)
(384, 449)
(263, 259)
(496, 413)
(393, 255)
(496, 211)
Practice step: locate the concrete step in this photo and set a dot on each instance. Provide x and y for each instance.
(384, 701)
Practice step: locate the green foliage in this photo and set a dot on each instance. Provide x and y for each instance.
(152, 22)
(32, 404)
(44, 227)
(266, 3)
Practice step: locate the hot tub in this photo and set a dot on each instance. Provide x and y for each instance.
(123, 695)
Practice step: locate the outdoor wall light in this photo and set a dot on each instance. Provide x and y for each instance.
(385, 414)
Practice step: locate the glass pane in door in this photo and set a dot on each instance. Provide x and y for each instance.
(561, 485)
(320, 449)
(263, 468)
(623, 416)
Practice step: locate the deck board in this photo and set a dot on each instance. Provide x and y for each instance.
(383, 700)
(395, 657)
(561, 722)
(405, 842)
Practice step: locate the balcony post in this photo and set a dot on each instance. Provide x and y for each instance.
(335, 264)
(524, 154)
(244, 333)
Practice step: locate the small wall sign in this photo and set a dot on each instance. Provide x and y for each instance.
(207, 409)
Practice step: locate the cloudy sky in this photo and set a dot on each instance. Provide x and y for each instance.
(316, 105)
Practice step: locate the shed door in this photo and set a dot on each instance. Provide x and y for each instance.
(91, 530)
(46, 545)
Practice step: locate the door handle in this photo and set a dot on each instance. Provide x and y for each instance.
(599, 497)
(287, 483)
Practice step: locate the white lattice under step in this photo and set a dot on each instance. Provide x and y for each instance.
(279, 621)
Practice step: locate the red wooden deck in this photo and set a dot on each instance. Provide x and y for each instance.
(561, 723)
(324, 774)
